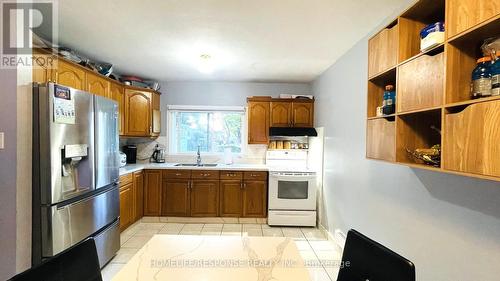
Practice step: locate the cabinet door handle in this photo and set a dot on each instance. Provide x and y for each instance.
(241, 185)
(178, 174)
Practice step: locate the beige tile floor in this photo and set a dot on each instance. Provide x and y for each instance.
(311, 242)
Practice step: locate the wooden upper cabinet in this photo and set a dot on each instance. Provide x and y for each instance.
(258, 122)
(116, 93)
(204, 198)
(381, 139)
(303, 114)
(464, 14)
(281, 114)
(254, 199)
(152, 193)
(70, 75)
(155, 115)
(472, 139)
(175, 201)
(383, 50)
(137, 113)
(97, 85)
(43, 64)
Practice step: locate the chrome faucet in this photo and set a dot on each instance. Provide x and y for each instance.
(198, 157)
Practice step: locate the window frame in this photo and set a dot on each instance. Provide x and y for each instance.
(172, 109)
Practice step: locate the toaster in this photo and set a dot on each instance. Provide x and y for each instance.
(123, 159)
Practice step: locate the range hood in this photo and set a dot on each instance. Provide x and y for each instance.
(292, 132)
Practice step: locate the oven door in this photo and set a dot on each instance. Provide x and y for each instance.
(292, 191)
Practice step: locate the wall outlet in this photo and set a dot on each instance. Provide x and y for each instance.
(2, 140)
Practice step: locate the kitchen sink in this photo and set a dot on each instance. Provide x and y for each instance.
(195, 165)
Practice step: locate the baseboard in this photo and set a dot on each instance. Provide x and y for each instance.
(337, 242)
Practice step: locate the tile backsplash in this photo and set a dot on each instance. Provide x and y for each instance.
(254, 154)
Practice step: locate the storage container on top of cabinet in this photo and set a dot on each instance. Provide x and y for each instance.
(435, 112)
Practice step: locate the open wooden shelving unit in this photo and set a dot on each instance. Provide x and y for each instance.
(433, 90)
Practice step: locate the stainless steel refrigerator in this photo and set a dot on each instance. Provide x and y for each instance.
(75, 171)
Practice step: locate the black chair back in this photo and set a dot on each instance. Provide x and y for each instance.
(78, 263)
(366, 260)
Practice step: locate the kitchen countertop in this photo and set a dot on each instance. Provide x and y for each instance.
(215, 258)
(130, 168)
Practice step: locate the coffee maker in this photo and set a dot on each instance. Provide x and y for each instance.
(131, 152)
(158, 155)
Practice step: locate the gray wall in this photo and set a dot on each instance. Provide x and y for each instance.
(222, 93)
(225, 93)
(449, 226)
(8, 173)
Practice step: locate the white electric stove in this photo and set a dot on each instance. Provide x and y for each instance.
(292, 189)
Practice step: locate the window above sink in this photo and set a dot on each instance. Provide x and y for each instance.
(211, 128)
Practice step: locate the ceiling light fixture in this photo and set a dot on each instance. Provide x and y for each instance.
(206, 64)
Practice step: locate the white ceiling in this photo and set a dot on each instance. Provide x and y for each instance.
(248, 40)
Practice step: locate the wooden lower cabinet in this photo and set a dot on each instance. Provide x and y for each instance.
(204, 195)
(186, 193)
(126, 204)
(254, 198)
(152, 193)
(138, 195)
(230, 198)
(175, 198)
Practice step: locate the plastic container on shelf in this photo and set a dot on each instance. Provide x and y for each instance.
(481, 78)
(389, 104)
(495, 77)
(432, 35)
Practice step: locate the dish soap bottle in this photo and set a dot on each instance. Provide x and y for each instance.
(389, 106)
(481, 78)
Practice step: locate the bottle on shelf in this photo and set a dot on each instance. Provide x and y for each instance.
(481, 78)
(495, 77)
(389, 100)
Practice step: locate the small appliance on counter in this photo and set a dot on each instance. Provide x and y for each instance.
(158, 155)
(123, 159)
(131, 153)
